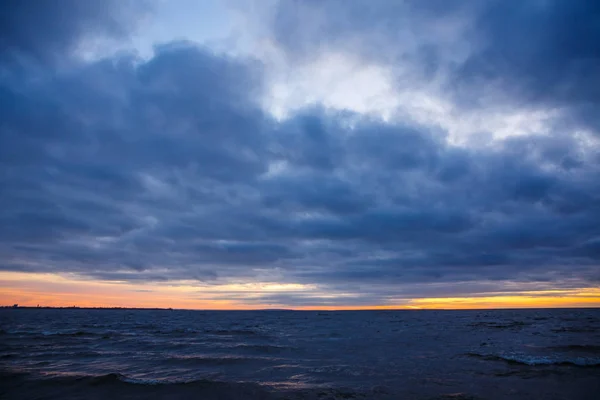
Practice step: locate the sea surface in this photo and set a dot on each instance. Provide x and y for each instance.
(164, 354)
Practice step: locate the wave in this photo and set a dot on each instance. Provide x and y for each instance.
(69, 334)
(104, 386)
(177, 331)
(60, 354)
(579, 348)
(580, 329)
(107, 379)
(215, 360)
(499, 325)
(49, 333)
(116, 377)
(22, 385)
(263, 348)
(533, 361)
(233, 332)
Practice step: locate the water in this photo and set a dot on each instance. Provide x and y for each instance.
(550, 354)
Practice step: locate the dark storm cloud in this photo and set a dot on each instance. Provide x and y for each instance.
(48, 30)
(168, 168)
(541, 52)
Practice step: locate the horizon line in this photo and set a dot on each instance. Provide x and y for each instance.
(374, 308)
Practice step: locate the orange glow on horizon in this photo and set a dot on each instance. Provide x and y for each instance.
(31, 289)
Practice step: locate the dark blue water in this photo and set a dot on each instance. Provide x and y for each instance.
(377, 354)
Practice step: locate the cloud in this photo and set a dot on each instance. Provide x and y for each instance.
(169, 169)
(49, 31)
(532, 56)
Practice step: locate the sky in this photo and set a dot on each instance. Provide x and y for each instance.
(335, 154)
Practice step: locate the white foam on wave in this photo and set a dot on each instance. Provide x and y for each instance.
(542, 360)
(549, 360)
(137, 381)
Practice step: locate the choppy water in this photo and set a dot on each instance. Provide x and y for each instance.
(549, 354)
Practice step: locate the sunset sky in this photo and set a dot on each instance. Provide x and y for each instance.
(335, 154)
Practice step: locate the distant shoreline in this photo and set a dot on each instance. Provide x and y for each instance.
(134, 308)
(287, 309)
(79, 308)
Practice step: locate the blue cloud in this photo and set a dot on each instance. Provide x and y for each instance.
(48, 31)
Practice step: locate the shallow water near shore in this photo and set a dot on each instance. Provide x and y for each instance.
(477, 354)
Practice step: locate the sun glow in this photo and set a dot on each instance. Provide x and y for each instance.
(31, 289)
